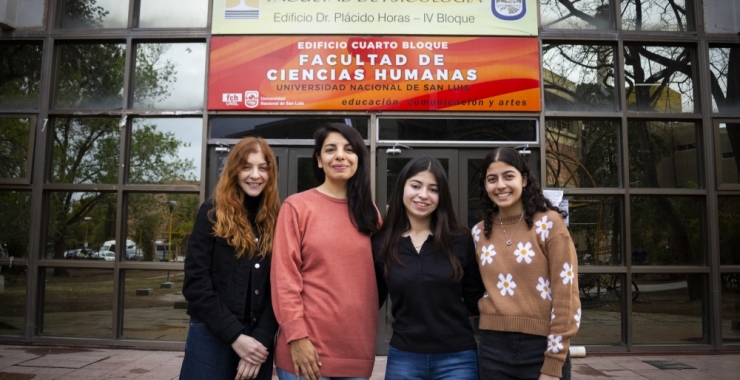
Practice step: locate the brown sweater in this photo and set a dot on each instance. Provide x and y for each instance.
(323, 285)
(531, 285)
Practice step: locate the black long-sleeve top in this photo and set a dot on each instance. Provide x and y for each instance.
(225, 293)
(430, 310)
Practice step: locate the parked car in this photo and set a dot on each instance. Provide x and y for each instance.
(107, 256)
(75, 254)
(131, 252)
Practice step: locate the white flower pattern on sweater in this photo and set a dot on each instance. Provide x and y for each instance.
(567, 273)
(578, 317)
(476, 235)
(506, 284)
(554, 344)
(543, 227)
(486, 255)
(544, 288)
(524, 252)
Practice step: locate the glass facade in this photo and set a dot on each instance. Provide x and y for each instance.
(107, 149)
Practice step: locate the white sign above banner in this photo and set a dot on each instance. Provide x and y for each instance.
(386, 17)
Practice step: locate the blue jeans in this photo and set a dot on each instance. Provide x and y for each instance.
(285, 375)
(514, 356)
(404, 365)
(208, 357)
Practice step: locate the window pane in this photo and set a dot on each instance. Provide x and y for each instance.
(90, 76)
(80, 224)
(153, 306)
(729, 145)
(159, 226)
(162, 14)
(166, 151)
(170, 75)
(659, 78)
(729, 225)
(663, 154)
(77, 302)
(666, 230)
(601, 309)
(20, 75)
(656, 15)
(730, 314)
(582, 153)
(596, 228)
(586, 14)
(478, 130)
(278, 127)
(724, 64)
(85, 151)
(669, 308)
(12, 299)
(15, 223)
(14, 136)
(94, 14)
(579, 77)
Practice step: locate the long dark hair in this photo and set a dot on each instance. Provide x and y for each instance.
(532, 198)
(362, 211)
(444, 221)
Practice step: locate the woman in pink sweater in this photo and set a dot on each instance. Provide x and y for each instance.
(324, 289)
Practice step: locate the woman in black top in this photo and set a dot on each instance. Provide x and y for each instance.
(426, 260)
(227, 271)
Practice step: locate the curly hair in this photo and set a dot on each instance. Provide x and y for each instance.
(532, 198)
(229, 216)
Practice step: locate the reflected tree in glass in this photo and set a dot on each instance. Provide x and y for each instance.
(656, 15)
(14, 136)
(663, 154)
(16, 223)
(155, 158)
(149, 218)
(596, 226)
(579, 77)
(575, 14)
(154, 76)
(90, 76)
(94, 14)
(658, 78)
(582, 153)
(729, 225)
(20, 75)
(725, 85)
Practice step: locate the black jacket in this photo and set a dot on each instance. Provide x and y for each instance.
(216, 285)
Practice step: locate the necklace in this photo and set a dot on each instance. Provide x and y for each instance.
(508, 239)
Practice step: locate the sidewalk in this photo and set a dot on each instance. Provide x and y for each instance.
(45, 363)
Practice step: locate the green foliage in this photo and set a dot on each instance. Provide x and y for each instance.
(14, 136)
(154, 156)
(20, 75)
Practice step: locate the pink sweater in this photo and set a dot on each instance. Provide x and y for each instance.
(323, 285)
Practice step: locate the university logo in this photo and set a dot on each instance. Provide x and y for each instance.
(252, 99)
(231, 99)
(509, 10)
(242, 10)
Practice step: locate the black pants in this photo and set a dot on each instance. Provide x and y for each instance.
(512, 355)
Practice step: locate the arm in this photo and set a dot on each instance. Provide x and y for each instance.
(472, 283)
(566, 303)
(198, 285)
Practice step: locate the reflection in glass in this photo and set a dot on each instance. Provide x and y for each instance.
(575, 14)
(12, 299)
(601, 308)
(156, 316)
(724, 63)
(582, 153)
(483, 130)
(164, 14)
(669, 308)
(306, 180)
(94, 14)
(79, 225)
(579, 77)
(730, 283)
(729, 225)
(472, 178)
(595, 226)
(90, 76)
(663, 154)
(159, 226)
(170, 75)
(77, 302)
(166, 151)
(14, 137)
(85, 150)
(666, 230)
(278, 127)
(729, 145)
(15, 223)
(659, 78)
(20, 75)
(656, 15)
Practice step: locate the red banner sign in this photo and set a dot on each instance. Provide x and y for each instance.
(374, 73)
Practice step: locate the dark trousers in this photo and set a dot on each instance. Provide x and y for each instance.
(208, 357)
(513, 356)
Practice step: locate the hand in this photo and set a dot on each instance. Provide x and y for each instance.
(250, 350)
(305, 359)
(246, 370)
(548, 377)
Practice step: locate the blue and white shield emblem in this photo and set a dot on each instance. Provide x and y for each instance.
(509, 10)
